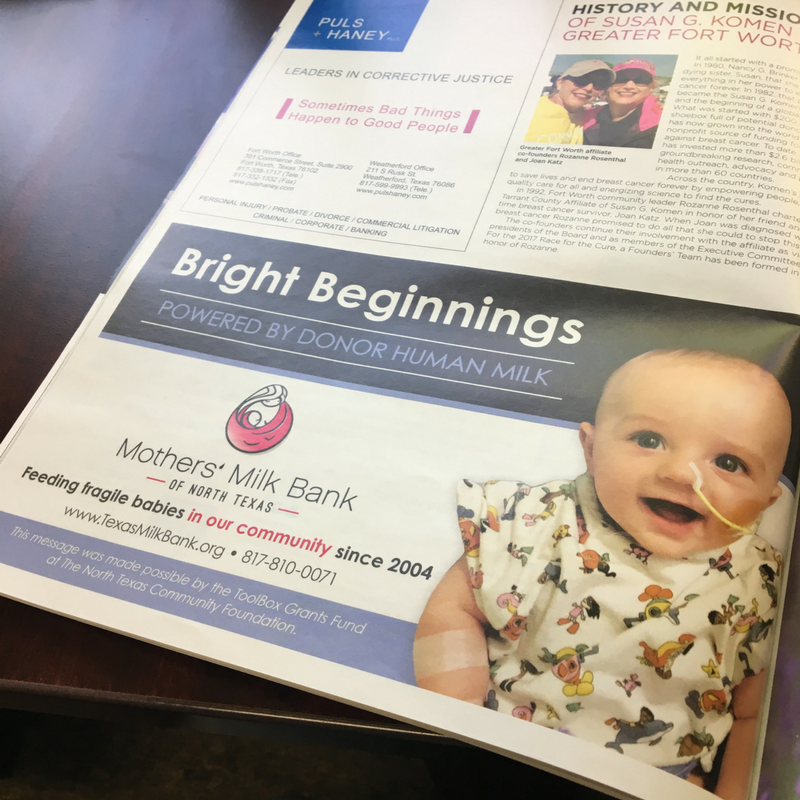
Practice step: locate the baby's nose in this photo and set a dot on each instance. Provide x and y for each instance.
(676, 467)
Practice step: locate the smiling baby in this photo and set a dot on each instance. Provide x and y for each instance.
(630, 606)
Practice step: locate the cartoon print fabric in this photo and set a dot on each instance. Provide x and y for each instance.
(599, 638)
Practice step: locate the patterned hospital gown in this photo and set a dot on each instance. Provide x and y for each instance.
(595, 636)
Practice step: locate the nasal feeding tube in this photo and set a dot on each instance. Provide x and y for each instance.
(698, 483)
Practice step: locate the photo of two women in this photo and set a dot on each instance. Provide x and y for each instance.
(608, 102)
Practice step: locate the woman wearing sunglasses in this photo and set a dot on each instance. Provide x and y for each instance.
(558, 118)
(632, 115)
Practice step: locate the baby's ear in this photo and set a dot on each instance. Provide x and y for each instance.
(586, 434)
(776, 493)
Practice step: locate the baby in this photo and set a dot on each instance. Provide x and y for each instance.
(629, 607)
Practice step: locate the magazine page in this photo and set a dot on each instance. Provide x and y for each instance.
(342, 422)
(447, 150)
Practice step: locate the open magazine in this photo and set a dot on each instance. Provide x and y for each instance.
(456, 380)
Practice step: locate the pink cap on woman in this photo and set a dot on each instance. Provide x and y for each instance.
(636, 63)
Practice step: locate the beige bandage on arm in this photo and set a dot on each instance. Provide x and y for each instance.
(454, 663)
(450, 650)
(447, 651)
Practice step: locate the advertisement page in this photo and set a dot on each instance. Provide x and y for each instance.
(457, 380)
(276, 461)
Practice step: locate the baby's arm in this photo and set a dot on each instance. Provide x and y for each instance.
(450, 654)
(734, 775)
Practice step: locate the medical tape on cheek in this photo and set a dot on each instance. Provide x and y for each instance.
(698, 483)
(446, 652)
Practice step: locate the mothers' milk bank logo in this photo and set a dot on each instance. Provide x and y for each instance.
(358, 25)
(260, 422)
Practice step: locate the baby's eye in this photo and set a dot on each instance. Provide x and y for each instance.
(648, 439)
(730, 463)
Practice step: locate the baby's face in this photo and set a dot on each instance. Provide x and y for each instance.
(659, 414)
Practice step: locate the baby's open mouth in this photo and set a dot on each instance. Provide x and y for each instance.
(672, 512)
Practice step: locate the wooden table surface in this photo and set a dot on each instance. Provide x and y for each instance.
(102, 105)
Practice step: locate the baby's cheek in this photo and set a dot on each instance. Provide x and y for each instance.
(603, 488)
(744, 510)
(614, 498)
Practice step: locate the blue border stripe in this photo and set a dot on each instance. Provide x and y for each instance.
(332, 631)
